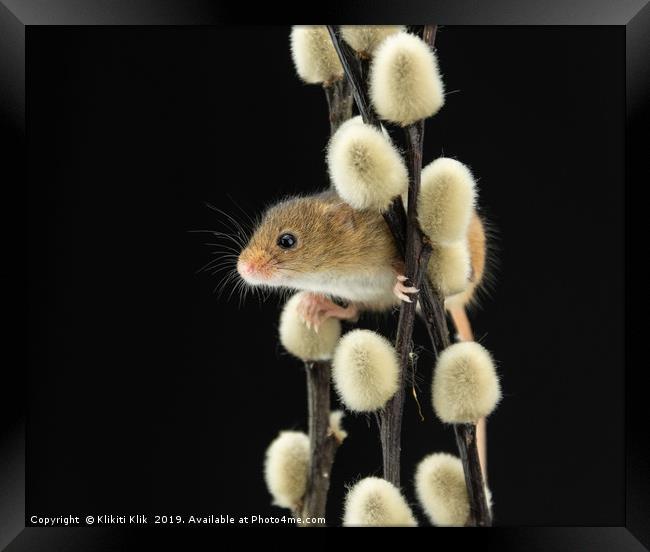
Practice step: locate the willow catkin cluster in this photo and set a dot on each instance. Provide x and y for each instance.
(465, 384)
(445, 205)
(450, 267)
(302, 341)
(365, 38)
(365, 370)
(365, 168)
(441, 490)
(405, 84)
(447, 200)
(286, 468)
(374, 502)
(313, 54)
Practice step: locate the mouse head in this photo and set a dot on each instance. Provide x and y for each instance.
(295, 239)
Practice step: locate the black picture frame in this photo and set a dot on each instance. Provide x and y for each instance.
(17, 16)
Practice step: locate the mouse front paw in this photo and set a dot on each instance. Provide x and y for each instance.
(315, 308)
(401, 290)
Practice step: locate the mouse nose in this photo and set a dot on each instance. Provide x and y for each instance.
(255, 267)
(245, 268)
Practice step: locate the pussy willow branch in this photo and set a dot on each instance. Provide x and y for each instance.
(353, 73)
(466, 441)
(416, 260)
(464, 333)
(412, 243)
(323, 443)
(465, 433)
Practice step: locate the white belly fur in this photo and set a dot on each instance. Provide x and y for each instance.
(373, 287)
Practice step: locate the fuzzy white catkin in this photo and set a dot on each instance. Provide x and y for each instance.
(465, 384)
(303, 342)
(446, 200)
(366, 169)
(450, 267)
(286, 468)
(405, 85)
(356, 120)
(336, 427)
(365, 38)
(441, 490)
(365, 370)
(374, 502)
(314, 56)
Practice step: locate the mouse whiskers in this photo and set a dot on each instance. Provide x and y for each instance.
(240, 232)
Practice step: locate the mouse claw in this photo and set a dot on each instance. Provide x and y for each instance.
(403, 297)
(400, 290)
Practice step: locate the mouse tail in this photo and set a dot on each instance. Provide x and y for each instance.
(481, 240)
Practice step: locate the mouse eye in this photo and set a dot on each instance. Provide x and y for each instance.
(287, 241)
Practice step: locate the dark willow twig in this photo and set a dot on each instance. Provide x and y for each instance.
(415, 250)
(339, 102)
(352, 70)
(429, 34)
(323, 443)
(416, 261)
(391, 415)
(466, 440)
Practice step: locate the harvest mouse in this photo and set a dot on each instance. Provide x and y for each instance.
(319, 244)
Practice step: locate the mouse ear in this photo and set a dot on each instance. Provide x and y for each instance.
(341, 215)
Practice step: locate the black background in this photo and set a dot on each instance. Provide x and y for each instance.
(149, 392)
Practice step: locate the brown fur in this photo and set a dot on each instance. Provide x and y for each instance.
(331, 236)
